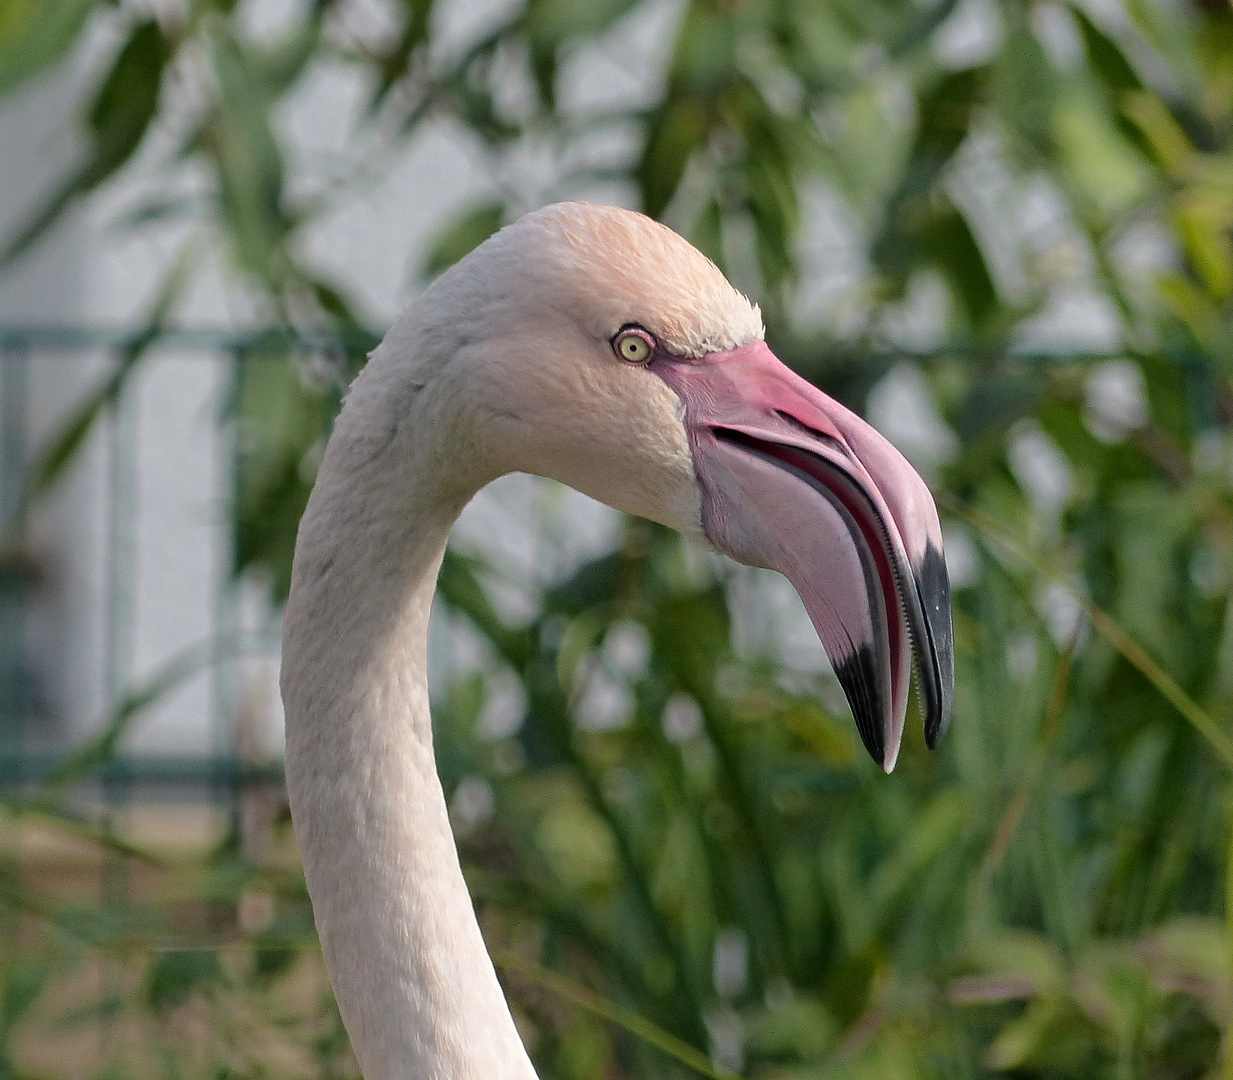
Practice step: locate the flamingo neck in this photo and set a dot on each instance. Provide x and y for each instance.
(414, 982)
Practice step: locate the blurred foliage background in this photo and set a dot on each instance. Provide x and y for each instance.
(1039, 203)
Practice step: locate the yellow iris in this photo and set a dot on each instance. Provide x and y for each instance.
(633, 347)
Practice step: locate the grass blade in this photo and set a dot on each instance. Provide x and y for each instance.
(637, 1025)
(1109, 629)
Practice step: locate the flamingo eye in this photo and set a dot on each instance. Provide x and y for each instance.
(634, 345)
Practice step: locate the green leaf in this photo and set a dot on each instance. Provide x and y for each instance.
(278, 66)
(1167, 138)
(945, 117)
(175, 976)
(827, 738)
(822, 45)
(1011, 965)
(282, 418)
(395, 63)
(1107, 58)
(1023, 89)
(950, 240)
(706, 53)
(583, 998)
(1020, 1039)
(1115, 73)
(460, 238)
(544, 71)
(707, 234)
(249, 164)
(126, 102)
(676, 132)
(1102, 162)
(923, 27)
(554, 21)
(938, 825)
(23, 982)
(34, 34)
(121, 112)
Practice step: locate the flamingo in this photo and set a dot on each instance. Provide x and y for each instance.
(597, 347)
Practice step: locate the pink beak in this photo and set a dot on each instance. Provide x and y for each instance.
(793, 481)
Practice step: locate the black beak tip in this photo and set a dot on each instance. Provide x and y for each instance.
(858, 675)
(937, 669)
(858, 671)
(936, 724)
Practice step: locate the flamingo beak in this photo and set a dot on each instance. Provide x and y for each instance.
(793, 481)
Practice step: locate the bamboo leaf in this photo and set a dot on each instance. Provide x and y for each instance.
(35, 34)
(118, 118)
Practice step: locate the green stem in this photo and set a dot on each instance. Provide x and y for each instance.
(615, 1014)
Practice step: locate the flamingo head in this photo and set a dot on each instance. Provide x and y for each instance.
(619, 360)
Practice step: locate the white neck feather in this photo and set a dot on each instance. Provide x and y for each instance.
(413, 979)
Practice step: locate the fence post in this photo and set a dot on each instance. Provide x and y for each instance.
(15, 566)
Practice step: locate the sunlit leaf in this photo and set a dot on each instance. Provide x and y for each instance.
(1163, 133)
(1106, 55)
(35, 34)
(1093, 147)
(1020, 1040)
